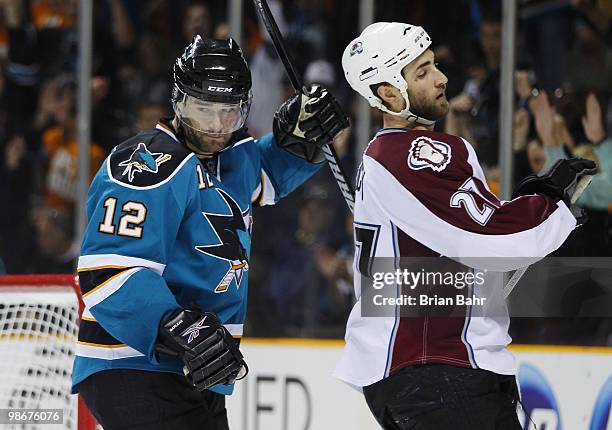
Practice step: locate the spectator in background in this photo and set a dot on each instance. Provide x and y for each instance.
(268, 77)
(546, 27)
(149, 114)
(23, 68)
(196, 20)
(474, 113)
(222, 31)
(590, 61)
(584, 291)
(459, 17)
(61, 146)
(4, 30)
(300, 294)
(17, 175)
(56, 250)
(145, 80)
(597, 12)
(114, 42)
(593, 239)
(337, 268)
(529, 156)
(320, 72)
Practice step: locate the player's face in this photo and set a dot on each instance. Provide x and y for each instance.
(209, 125)
(205, 143)
(426, 87)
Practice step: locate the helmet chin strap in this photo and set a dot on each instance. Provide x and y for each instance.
(405, 113)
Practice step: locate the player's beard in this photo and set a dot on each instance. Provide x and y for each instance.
(430, 108)
(203, 143)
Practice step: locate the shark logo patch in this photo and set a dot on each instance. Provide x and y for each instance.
(142, 160)
(230, 248)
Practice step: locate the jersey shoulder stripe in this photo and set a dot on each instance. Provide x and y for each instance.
(147, 160)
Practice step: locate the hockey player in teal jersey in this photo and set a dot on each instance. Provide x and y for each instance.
(165, 259)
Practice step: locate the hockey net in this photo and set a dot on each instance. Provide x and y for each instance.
(39, 317)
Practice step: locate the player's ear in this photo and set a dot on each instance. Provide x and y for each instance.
(391, 97)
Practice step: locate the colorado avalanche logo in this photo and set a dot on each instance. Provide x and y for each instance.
(357, 48)
(142, 160)
(425, 152)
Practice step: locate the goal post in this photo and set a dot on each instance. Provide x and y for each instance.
(39, 317)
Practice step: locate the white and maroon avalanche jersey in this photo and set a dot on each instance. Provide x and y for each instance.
(422, 193)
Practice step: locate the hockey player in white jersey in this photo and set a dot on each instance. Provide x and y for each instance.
(423, 194)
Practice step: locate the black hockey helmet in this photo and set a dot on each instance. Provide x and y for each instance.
(213, 70)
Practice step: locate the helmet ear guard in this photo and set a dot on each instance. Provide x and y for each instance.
(378, 56)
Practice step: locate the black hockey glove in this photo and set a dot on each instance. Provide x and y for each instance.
(306, 122)
(559, 181)
(208, 350)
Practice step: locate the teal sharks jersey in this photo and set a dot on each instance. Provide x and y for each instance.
(164, 233)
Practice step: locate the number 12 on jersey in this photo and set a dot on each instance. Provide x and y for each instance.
(134, 214)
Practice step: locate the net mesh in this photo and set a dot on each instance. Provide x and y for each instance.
(38, 332)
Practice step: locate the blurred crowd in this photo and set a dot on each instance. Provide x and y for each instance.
(301, 276)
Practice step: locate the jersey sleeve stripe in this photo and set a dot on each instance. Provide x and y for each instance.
(101, 345)
(102, 261)
(87, 316)
(473, 162)
(114, 352)
(108, 287)
(257, 194)
(268, 193)
(92, 280)
(92, 333)
(91, 269)
(235, 330)
(102, 284)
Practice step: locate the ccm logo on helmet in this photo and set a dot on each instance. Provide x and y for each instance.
(220, 89)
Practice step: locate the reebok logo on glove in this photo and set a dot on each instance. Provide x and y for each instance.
(194, 330)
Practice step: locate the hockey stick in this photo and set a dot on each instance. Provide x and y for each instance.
(328, 150)
(516, 276)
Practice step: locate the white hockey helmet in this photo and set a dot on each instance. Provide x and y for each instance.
(378, 55)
